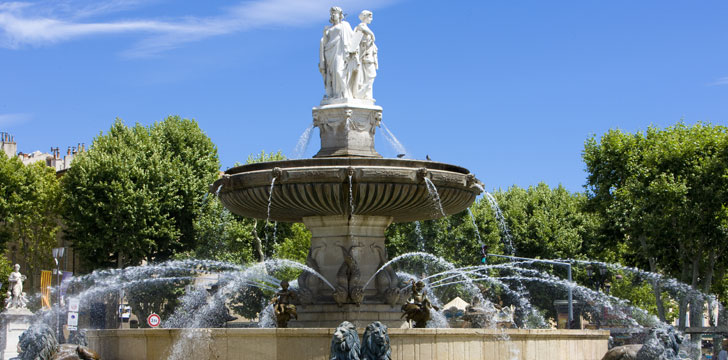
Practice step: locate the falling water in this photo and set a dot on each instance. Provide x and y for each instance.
(267, 317)
(480, 187)
(434, 196)
(302, 143)
(267, 219)
(351, 196)
(475, 226)
(398, 147)
(423, 255)
(471, 288)
(270, 199)
(275, 232)
(669, 284)
(420, 238)
(502, 225)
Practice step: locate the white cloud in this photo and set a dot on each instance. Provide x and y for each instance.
(721, 81)
(23, 24)
(14, 119)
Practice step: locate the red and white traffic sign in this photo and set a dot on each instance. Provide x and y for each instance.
(73, 305)
(154, 320)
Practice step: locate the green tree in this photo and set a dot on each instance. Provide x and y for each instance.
(546, 223)
(663, 192)
(29, 198)
(229, 237)
(137, 192)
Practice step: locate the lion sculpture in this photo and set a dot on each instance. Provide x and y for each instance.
(345, 343)
(375, 345)
(39, 343)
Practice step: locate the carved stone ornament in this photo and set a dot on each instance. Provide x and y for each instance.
(347, 130)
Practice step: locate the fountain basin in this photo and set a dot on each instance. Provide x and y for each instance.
(314, 344)
(320, 187)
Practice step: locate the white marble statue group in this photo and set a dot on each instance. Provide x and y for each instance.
(348, 58)
(16, 297)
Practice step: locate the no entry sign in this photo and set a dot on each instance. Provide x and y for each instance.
(154, 320)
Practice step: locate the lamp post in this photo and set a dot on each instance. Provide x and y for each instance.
(552, 262)
(57, 255)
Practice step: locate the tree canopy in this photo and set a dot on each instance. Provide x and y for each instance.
(29, 207)
(136, 193)
(663, 195)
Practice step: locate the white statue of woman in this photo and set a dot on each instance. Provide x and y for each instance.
(337, 56)
(367, 58)
(16, 297)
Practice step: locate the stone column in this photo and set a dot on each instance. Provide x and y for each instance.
(360, 238)
(13, 322)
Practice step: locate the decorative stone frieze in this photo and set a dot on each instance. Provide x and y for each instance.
(347, 129)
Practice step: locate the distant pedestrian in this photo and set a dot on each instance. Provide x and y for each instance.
(723, 355)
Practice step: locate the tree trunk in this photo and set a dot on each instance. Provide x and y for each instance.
(683, 308)
(708, 283)
(696, 309)
(257, 243)
(656, 288)
(722, 321)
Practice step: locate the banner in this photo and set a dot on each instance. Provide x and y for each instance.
(46, 278)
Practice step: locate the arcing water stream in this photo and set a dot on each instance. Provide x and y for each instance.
(195, 294)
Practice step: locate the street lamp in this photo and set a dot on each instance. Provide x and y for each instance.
(57, 255)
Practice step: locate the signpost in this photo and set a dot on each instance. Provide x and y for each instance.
(73, 305)
(153, 320)
(72, 322)
(72, 319)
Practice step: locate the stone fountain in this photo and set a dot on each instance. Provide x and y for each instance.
(347, 195)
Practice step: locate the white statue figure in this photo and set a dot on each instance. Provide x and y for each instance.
(367, 58)
(16, 296)
(338, 59)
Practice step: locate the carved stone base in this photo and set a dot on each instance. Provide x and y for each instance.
(347, 129)
(330, 316)
(359, 238)
(13, 322)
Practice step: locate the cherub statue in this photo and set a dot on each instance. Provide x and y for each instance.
(418, 307)
(282, 306)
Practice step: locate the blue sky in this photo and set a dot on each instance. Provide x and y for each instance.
(508, 89)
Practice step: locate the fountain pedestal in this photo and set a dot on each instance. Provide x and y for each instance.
(348, 250)
(347, 129)
(13, 322)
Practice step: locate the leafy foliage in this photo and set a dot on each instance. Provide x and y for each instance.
(29, 198)
(663, 194)
(137, 192)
